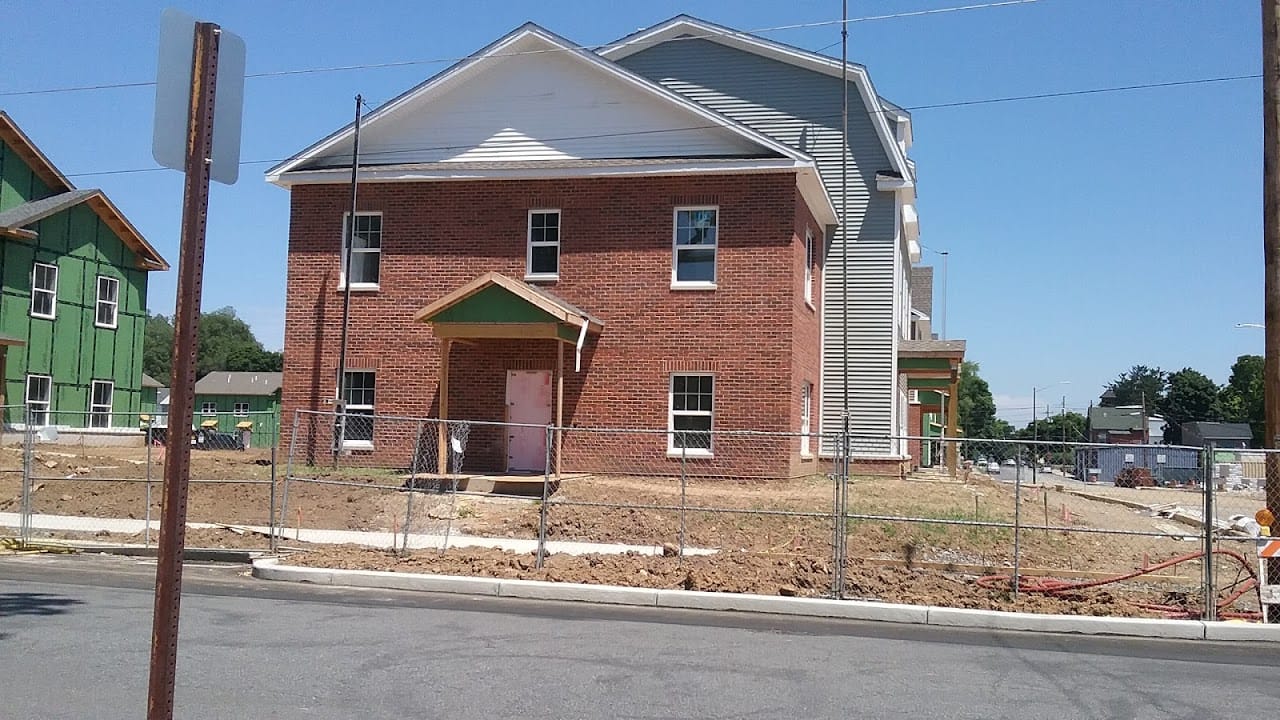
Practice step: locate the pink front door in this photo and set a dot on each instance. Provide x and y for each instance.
(528, 402)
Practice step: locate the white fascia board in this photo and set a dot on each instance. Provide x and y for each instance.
(461, 70)
(815, 194)
(817, 62)
(891, 183)
(439, 173)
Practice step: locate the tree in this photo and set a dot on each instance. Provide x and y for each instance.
(1241, 398)
(157, 347)
(226, 343)
(1139, 385)
(976, 407)
(1192, 397)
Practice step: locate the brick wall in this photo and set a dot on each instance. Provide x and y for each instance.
(754, 332)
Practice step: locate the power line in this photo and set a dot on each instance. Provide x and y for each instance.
(437, 61)
(962, 103)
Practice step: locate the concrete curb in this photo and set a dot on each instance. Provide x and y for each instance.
(192, 554)
(271, 569)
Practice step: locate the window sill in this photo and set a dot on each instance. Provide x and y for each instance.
(38, 316)
(808, 302)
(357, 445)
(529, 277)
(361, 287)
(104, 326)
(806, 456)
(693, 285)
(698, 454)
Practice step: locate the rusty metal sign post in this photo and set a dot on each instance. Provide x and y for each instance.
(200, 164)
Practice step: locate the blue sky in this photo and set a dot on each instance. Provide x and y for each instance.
(1086, 234)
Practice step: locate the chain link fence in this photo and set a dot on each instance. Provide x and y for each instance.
(97, 477)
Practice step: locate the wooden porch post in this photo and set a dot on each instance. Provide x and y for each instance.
(442, 433)
(953, 424)
(559, 400)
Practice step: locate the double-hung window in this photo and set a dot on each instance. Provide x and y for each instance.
(358, 425)
(806, 418)
(44, 291)
(808, 266)
(543, 262)
(691, 415)
(39, 393)
(366, 250)
(209, 408)
(100, 403)
(108, 305)
(696, 234)
(240, 409)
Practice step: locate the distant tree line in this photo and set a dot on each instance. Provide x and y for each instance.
(226, 343)
(1186, 395)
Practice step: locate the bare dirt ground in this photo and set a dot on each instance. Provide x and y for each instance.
(770, 536)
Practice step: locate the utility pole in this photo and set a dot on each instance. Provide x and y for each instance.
(340, 394)
(1271, 249)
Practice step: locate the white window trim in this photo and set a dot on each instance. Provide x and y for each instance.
(672, 449)
(204, 408)
(53, 312)
(529, 274)
(806, 419)
(237, 412)
(115, 304)
(48, 403)
(95, 408)
(342, 254)
(360, 444)
(809, 256)
(675, 250)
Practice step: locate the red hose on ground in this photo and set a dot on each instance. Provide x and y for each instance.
(1053, 586)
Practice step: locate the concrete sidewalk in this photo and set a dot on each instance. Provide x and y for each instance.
(416, 541)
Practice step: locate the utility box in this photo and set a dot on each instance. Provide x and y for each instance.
(245, 428)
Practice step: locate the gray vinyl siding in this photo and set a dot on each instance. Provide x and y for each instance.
(803, 109)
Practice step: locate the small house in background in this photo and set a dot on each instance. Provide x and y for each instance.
(1123, 425)
(1224, 436)
(229, 399)
(152, 392)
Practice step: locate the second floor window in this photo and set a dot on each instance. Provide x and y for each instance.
(544, 245)
(44, 290)
(694, 264)
(108, 306)
(209, 408)
(366, 249)
(808, 266)
(240, 409)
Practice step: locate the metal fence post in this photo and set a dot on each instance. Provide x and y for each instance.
(271, 512)
(1016, 580)
(542, 507)
(1210, 590)
(28, 451)
(684, 483)
(284, 491)
(146, 530)
(413, 487)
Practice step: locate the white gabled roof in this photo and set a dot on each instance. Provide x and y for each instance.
(688, 25)
(681, 116)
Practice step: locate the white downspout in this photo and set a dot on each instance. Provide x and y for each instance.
(582, 339)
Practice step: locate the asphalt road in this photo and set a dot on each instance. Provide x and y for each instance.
(74, 644)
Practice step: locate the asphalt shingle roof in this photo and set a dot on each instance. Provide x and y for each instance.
(239, 383)
(36, 210)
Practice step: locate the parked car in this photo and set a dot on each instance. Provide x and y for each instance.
(1010, 462)
(993, 467)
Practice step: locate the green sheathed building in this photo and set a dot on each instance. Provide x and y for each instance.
(73, 295)
(232, 398)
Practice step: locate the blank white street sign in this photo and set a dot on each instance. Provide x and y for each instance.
(173, 97)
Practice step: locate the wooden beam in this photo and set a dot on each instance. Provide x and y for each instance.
(559, 402)
(511, 331)
(953, 409)
(442, 432)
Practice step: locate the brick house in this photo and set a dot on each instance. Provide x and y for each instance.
(544, 236)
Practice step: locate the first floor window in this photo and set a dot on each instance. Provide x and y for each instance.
(544, 244)
(108, 301)
(240, 409)
(44, 290)
(39, 392)
(100, 403)
(696, 234)
(209, 408)
(366, 249)
(691, 413)
(358, 402)
(806, 417)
